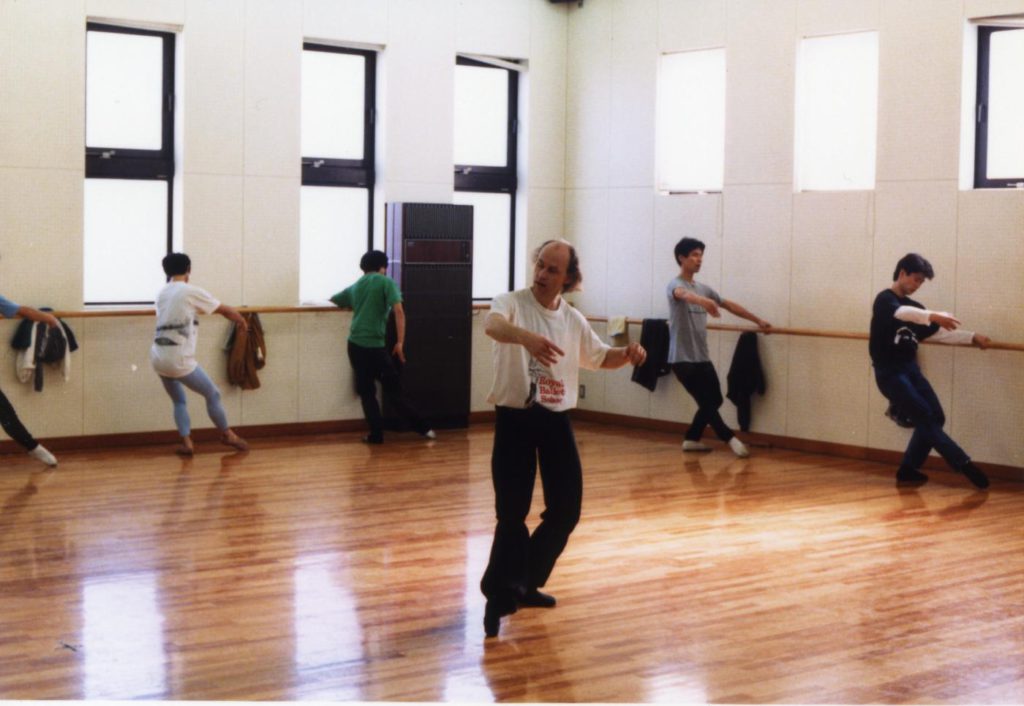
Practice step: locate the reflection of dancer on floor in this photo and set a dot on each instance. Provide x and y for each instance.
(173, 353)
(8, 418)
(897, 324)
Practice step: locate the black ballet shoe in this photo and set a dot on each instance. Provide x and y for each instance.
(536, 599)
(975, 475)
(371, 439)
(910, 477)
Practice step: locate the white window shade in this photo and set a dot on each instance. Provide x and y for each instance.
(332, 239)
(124, 91)
(837, 112)
(691, 121)
(481, 116)
(492, 214)
(1006, 105)
(333, 86)
(125, 230)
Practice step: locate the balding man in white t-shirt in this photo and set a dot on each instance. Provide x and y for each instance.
(540, 344)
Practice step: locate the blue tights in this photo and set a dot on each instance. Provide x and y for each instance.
(197, 381)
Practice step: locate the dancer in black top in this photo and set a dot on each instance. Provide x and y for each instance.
(898, 324)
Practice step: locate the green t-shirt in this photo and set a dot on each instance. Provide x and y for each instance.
(371, 299)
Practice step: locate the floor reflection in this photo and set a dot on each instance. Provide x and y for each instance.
(123, 638)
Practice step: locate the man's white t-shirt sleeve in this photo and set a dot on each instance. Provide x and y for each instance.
(203, 301)
(592, 349)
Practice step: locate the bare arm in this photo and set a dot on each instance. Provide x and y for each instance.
(617, 357)
(504, 331)
(398, 351)
(685, 295)
(231, 313)
(27, 312)
(738, 310)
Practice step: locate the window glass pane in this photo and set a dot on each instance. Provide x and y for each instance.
(332, 104)
(1006, 105)
(481, 116)
(492, 219)
(332, 239)
(124, 91)
(836, 112)
(125, 239)
(691, 121)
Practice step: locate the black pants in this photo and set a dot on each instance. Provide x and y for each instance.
(371, 365)
(905, 386)
(701, 381)
(13, 426)
(520, 561)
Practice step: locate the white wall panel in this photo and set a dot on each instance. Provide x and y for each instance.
(828, 390)
(691, 24)
(823, 17)
(42, 84)
(588, 98)
(213, 109)
(273, 60)
(493, 27)
(832, 237)
(277, 399)
(760, 60)
(362, 21)
(270, 274)
(214, 233)
(919, 90)
(633, 93)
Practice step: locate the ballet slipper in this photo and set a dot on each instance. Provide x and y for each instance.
(234, 441)
(186, 451)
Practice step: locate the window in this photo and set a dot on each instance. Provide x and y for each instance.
(336, 228)
(691, 121)
(837, 112)
(999, 139)
(486, 106)
(129, 162)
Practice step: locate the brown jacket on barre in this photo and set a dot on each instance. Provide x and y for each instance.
(247, 353)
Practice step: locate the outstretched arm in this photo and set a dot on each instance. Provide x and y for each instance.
(504, 331)
(734, 308)
(231, 313)
(685, 295)
(617, 357)
(27, 312)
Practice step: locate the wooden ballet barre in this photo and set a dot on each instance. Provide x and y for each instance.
(105, 313)
(787, 331)
(780, 330)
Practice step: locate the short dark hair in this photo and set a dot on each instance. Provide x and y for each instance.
(373, 261)
(912, 263)
(686, 246)
(573, 275)
(176, 263)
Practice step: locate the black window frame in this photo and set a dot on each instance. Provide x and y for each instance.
(981, 180)
(492, 179)
(112, 162)
(352, 173)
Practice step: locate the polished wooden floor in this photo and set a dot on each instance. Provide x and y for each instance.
(320, 568)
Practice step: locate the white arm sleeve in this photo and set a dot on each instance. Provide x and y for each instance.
(913, 315)
(955, 338)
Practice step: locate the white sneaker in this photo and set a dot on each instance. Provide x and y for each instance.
(429, 434)
(43, 455)
(689, 445)
(738, 447)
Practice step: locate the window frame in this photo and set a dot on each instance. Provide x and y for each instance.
(981, 180)
(140, 164)
(492, 179)
(353, 173)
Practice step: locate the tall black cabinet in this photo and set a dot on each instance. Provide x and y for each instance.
(430, 256)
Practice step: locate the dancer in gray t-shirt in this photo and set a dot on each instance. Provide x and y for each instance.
(689, 303)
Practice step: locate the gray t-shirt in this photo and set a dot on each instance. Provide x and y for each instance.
(688, 323)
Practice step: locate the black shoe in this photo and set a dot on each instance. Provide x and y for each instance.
(535, 599)
(974, 474)
(910, 477)
(371, 439)
(492, 619)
